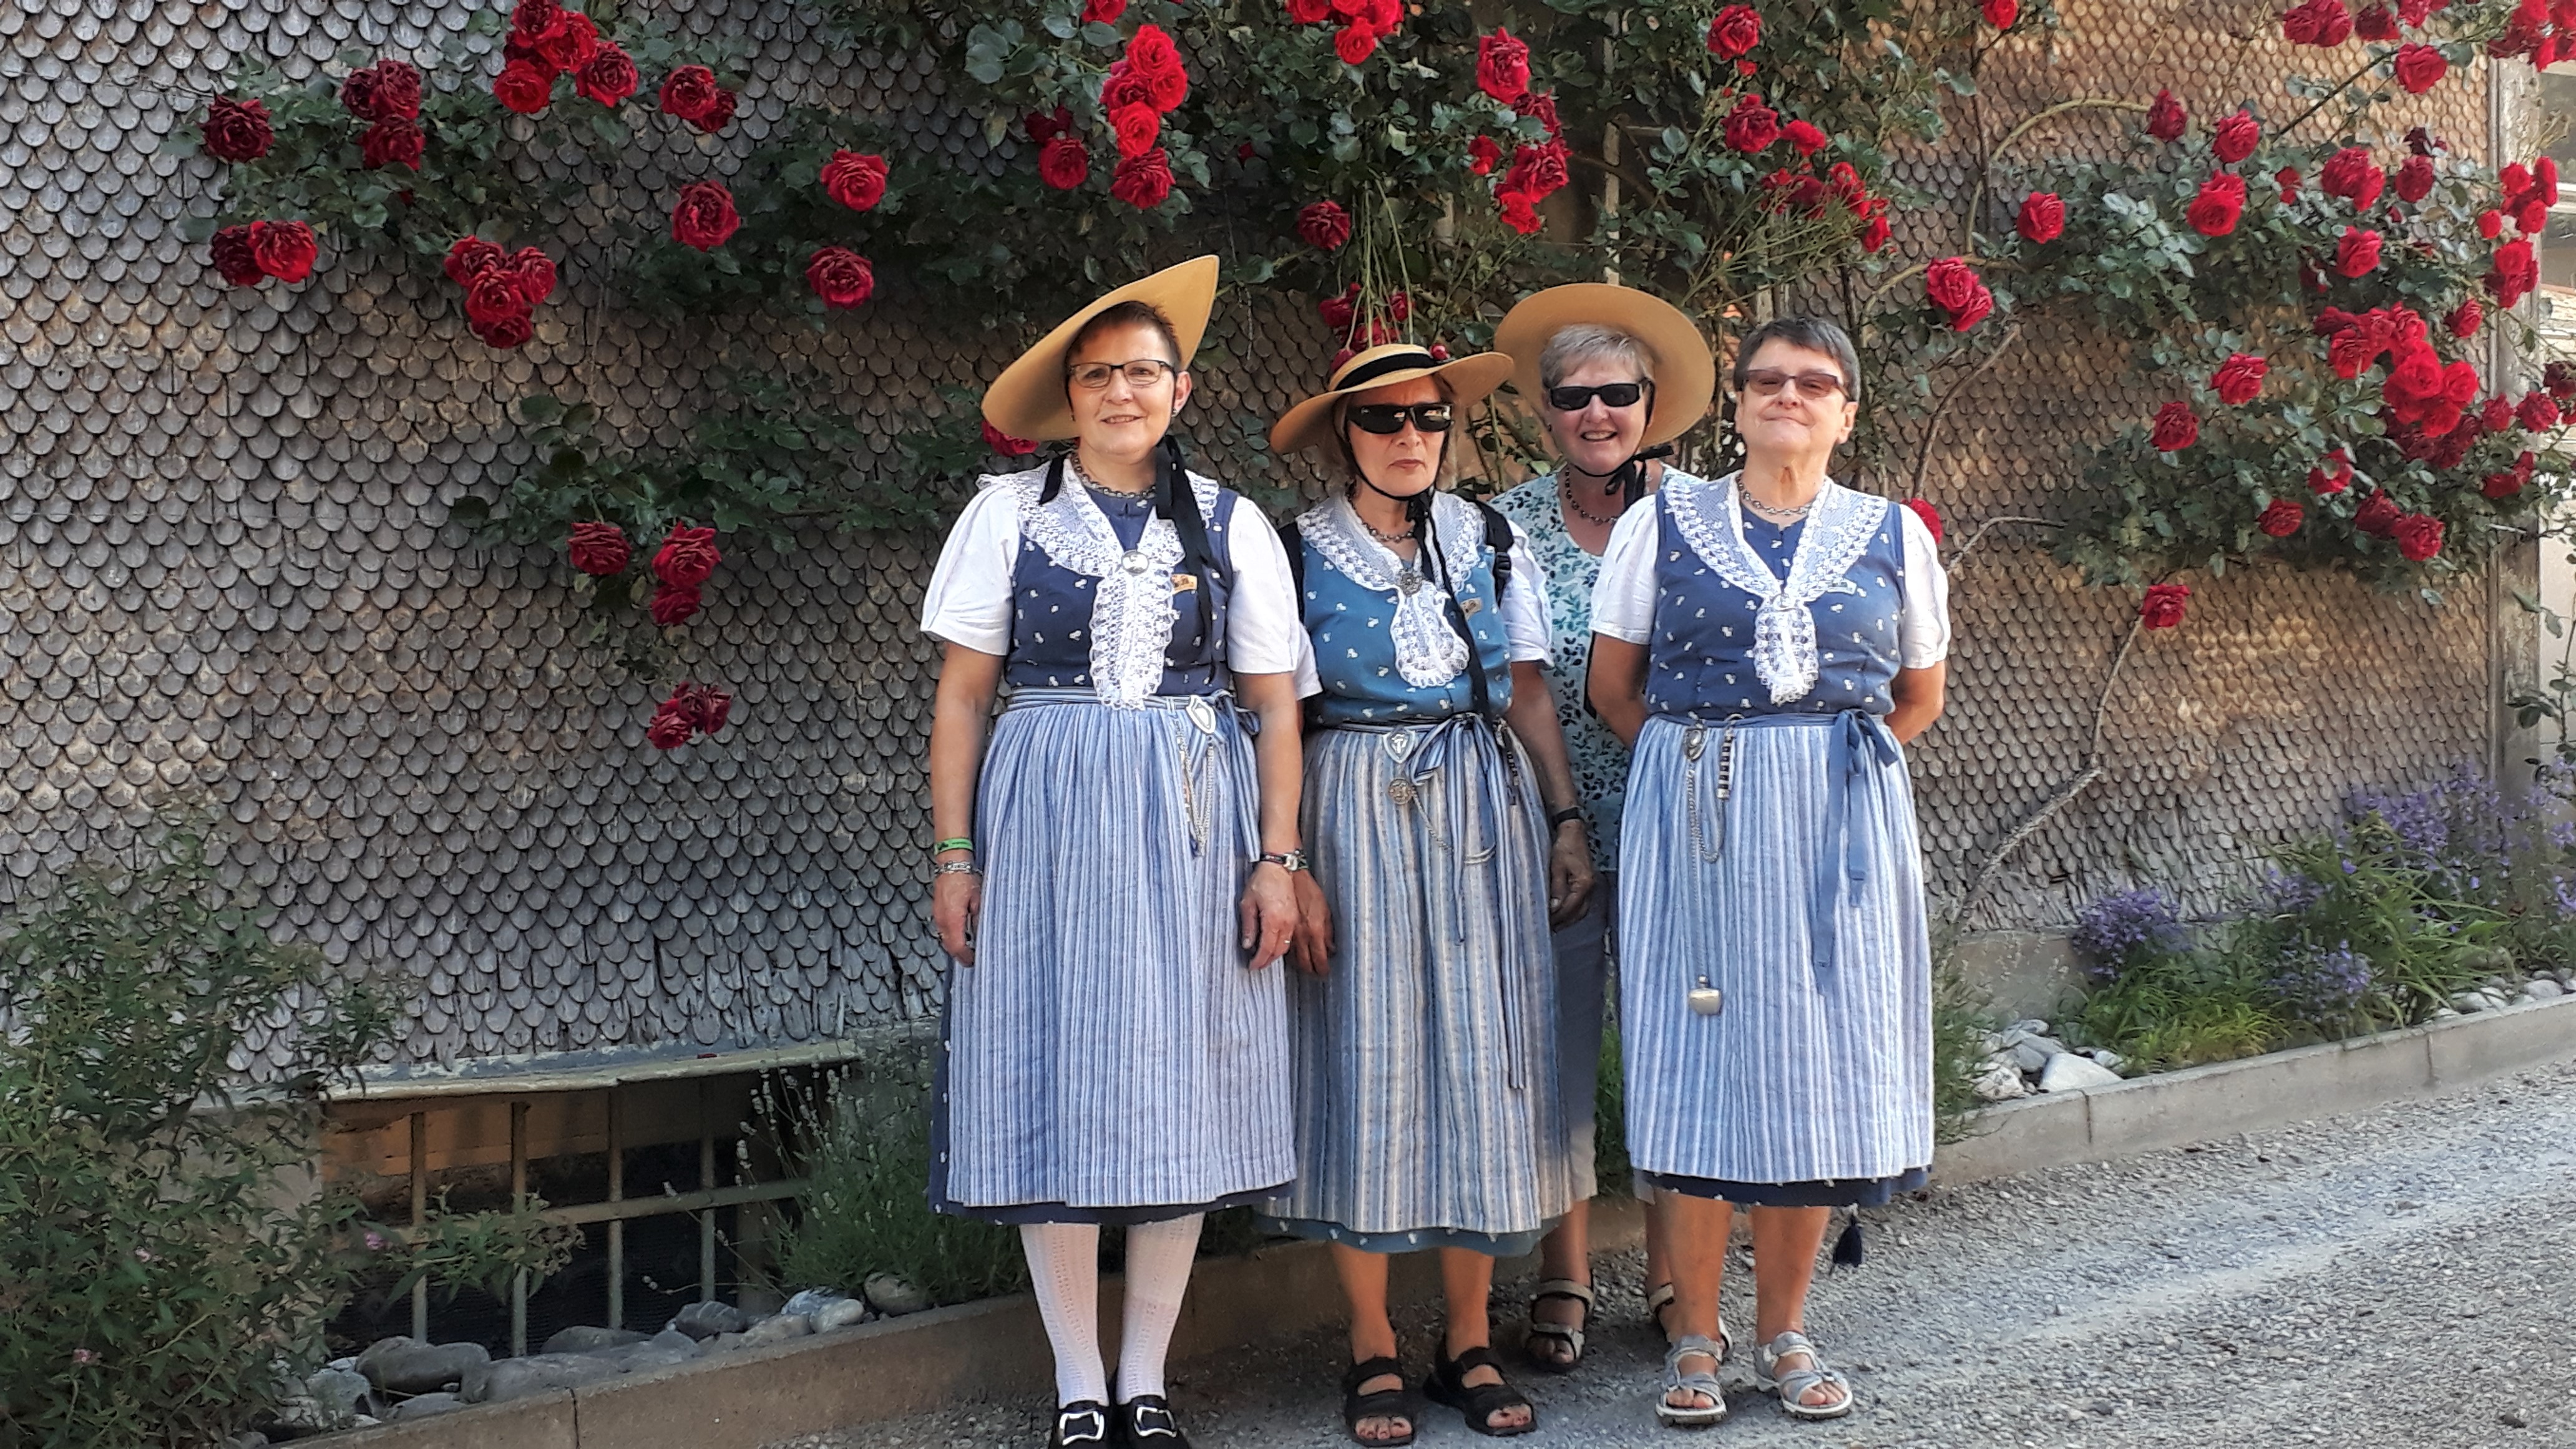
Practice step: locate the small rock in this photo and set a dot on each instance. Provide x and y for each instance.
(421, 1406)
(2035, 1053)
(582, 1338)
(1994, 1042)
(707, 1320)
(2067, 1072)
(2104, 1056)
(723, 1341)
(672, 1338)
(637, 1358)
(515, 1378)
(2513, 1419)
(813, 1301)
(341, 1395)
(404, 1366)
(777, 1328)
(2541, 988)
(300, 1414)
(365, 1421)
(2000, 1082)
(2468, 1001)
(2031, 1025)
(894, 1297)
(343, 1363)
(2443, 1014)
(839, 1313)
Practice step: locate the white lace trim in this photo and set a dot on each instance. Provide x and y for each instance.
(1428, 651)
(1131, 609)
(1838, 532)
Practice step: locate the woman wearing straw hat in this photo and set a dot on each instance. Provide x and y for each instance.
(1768, 642)
(1113, 875)
(1613, 374)
(1445, 831)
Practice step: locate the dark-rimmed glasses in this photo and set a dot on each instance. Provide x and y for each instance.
(1387, 419)
(1612, 394)
(1143, 373)
(1813, 386)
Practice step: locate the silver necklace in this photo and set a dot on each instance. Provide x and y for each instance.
(1778, 515)
(1385, 538)
(1574, 500)
(1074, 461)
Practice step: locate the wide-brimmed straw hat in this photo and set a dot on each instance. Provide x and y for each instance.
(1028, 400)
(1310, 423)
(1685, 370)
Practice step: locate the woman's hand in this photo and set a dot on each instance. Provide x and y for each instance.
(1569, 873)
(956, 905)
(1269, 913)
(1314, 947)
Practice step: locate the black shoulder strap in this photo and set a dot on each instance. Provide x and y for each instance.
(1498, 537)
(1294, 540)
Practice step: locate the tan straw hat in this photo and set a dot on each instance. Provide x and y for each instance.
(1028, 399)
(1310, 423)
(1685, 371)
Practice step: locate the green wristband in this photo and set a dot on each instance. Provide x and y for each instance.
(947, 845)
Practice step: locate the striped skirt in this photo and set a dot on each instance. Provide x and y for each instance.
(1427, 1107)
(1109, 1057)
(1789, 900)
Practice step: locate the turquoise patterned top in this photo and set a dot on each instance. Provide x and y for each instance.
(1600, 762)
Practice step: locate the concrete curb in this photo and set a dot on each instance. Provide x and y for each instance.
(997, 1349)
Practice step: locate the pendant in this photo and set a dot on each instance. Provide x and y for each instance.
(1408, 582)
(1399, 743)
(1201, 713)
(1694, 740)
(1133, 561)
(1706, 1000)
(1400, 790)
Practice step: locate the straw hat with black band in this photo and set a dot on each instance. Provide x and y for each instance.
(1031, 400)
(1310, 423)
(1685, 379)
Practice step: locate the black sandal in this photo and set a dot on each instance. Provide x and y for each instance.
(1082, 1424)
(1478, 1404)
(1147, 1423)
(1392, 1403)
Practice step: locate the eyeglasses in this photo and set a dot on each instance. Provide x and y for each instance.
(1813, 386)
(1387, 419)
(1140, 374)
(1612, 394)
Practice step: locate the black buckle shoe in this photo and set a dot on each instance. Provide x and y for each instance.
(1148, 1423)
(1081, 1425)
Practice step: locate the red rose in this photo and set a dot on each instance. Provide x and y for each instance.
(509, 330)
(2214, 212)
(687, 557)
(2043, 217)
(1737, 29)
(1064, 163)
(854, 179)
(2332, 476)
(1540, 106)
(232, 257)
(2239, 379)
(1950, 283)
(2001, 14)
(1482, 153)
(1752, 126)
(1152, 56)
(2177, 427)
(2235, 138)
(284, 249)
(2377, 515)
(1324, 226)
(1537, 172)
(2415, 179)
(2288, 179)
(2375, 22)
(2497, 415)
(2165, 118)
(1502, 66)
(2514, 273)
(392, 143)
(1006, 445)
(2164, 604)
(2419, 68)
(524, 87)
(568, 42)
(704, 216)
(2418, 535)
(1519, 212)
(1137, 126)
(1356, 43)
(532, 16)
(2500, 486)
(2531, 216)
(2358, 252)
(237, 130)
(841, 277)
(674, 603)
(703, 705)
(493, 295)
(1385, 16)
(600, 549)
(2544, 175)
(2491, 224)
(1103, 12)
(389, 90)
(688, 91)
(718, 112)
(2539, 412)
(2318, 22)
(1931, 516)
(467, 259)
(2560, 379)
(671, 726)
(1309, 12)
(608, 77)
(2351, 174)
(2464, 319)
(1806, 137)
(1980, 303)
(1125, 86)
(2282, 518)
(1143, 181)
(1875, 235)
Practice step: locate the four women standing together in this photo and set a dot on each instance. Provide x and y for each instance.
(1120, 869)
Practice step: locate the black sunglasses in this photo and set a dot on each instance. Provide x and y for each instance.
(1614, 394)
(1386, 419)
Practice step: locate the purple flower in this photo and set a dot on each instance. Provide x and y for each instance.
(2285, 893)
(2319, 983)
(2115, 932)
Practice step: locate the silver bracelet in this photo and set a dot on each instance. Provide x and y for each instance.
(957, 867)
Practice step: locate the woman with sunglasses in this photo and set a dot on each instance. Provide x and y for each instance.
(1114, 870)
(1613, 374)
(1446, 831)
(1767, 643)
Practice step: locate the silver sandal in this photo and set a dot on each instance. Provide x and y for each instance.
(1569, 1334)
(1660, 1297)
(1699, 1383)
(1793, 1385)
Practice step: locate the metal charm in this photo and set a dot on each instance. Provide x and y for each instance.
(1134, 561)
(1400, 790)
(1408, 582)
(1201, 713)
(1694, 740)
(1706, 1000)
(1399, 743)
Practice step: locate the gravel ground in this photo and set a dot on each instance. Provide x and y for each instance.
(2406, 1277)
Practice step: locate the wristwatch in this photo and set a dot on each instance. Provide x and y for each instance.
(1287, 860)
(1557, 819)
